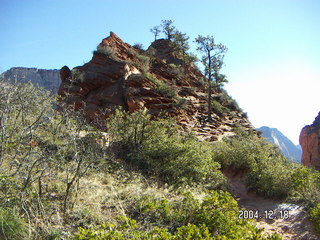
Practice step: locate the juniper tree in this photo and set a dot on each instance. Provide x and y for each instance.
(156, 31)
(212, 59)
(168, 29)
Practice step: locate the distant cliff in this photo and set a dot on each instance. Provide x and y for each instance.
(48, 79)
(310, 143)
(273, 135)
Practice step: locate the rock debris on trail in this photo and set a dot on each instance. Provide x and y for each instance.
(288, 220)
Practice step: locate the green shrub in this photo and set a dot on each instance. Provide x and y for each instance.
(216, 217)
(184, 210)
(8, 191)
(166, 90)
(192, 232)
(161, 87)
(11, 226)
(219, 109)
(138, 46)
(269, 173)
(151, 209)
(314, 214)
(106, 51)
(272, 180)
(306, 184)
(219, 212)
(176, 159)
(159, 150)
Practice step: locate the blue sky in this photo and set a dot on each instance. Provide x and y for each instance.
(273, 61)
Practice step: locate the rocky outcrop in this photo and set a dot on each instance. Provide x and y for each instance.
(289, 150)
(156, 80)
(310, 143)
(48, 79)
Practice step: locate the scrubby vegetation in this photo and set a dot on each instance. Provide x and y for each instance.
(163, 88)
(141, 179)
(216, 217)
(106, 51)
(157, 148)
(144, 179)
(269, 173)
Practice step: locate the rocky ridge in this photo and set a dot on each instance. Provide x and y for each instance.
(310, 143)
(289, 150)
(48, 79)
(156, 80)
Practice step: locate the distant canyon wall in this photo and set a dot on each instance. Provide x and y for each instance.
(48, 79)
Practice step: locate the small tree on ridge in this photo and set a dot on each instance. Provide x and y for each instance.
(212, 59)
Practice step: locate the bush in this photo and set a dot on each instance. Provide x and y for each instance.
(40, 149)
(163, 88)
(314, 214)
(268, 170)
(193, 232)
(216, 217)
(11, 226)
(306, 184)
(152, 210)
(138, 46)
(218, 108)
(106, 51)
(219, 212)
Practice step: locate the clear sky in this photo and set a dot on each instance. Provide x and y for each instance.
(273, 61)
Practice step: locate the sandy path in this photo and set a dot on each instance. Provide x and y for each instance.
(288, 220)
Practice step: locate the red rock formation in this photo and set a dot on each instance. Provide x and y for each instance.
(156, 79)
(310, 143)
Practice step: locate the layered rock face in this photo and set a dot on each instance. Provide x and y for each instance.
(310, 143)
(157, 80)
(48, 79)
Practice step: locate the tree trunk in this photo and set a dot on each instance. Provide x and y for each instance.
(209, 102)
(210, 88)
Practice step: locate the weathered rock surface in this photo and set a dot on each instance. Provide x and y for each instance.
(156, 80)
(310, 143)
(48, 79)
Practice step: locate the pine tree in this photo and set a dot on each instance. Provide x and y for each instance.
(212, 59)
(168, 29)
(156, 31)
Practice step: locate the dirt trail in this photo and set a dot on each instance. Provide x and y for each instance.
(288, 220)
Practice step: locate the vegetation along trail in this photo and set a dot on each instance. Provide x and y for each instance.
(288, 220)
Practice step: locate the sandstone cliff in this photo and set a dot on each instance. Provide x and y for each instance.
(48, 79)
(157, 80)
(310, 143)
